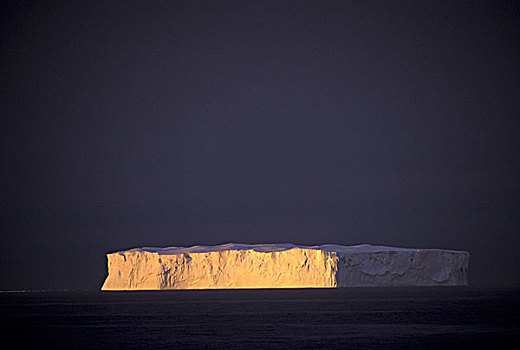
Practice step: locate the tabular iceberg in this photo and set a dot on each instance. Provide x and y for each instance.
(230, 266)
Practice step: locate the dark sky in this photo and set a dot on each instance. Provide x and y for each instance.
(180, 123)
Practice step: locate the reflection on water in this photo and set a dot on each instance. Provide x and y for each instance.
(355, 318)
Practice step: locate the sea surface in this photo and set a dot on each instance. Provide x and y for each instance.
(353, 318)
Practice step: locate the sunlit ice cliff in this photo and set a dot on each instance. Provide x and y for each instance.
(231, 266)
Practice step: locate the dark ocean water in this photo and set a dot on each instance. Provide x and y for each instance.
(356, 318)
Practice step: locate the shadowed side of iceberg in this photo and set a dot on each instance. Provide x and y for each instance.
(403, 268)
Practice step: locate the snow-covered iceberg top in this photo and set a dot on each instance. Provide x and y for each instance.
(276, 247)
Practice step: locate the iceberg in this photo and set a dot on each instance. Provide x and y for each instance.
(232, 266)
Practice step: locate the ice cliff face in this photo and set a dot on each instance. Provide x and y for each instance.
(283, 266)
